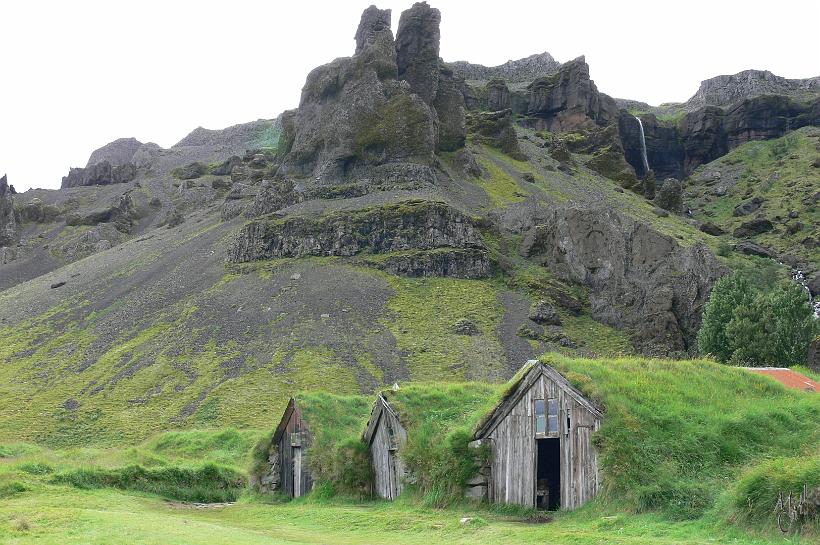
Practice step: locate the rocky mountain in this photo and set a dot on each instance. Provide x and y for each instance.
(401, 223)
(727, 90)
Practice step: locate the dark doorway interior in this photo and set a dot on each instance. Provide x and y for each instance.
(548, 474)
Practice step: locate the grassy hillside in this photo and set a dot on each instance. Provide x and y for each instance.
(783, 173)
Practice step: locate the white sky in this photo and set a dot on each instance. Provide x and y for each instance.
(77, 74)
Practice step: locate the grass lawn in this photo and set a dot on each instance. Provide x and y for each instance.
(50, 514)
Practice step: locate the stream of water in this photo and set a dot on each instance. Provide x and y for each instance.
(643, 147)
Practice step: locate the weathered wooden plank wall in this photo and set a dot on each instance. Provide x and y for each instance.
(514, 449)
(288, 455)
(388, 469)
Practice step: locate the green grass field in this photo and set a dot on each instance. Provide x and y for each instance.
(691, 451)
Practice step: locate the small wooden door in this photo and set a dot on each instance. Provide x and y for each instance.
(297, 472)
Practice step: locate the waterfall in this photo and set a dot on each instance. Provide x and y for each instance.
(800, 278)
(643, 147)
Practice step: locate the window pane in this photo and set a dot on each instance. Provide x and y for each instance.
(553, 407)
(540, 417)
(553, 424)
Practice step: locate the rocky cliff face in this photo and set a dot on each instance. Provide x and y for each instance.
(678, 148)
(638, 278)
(521, 70)
(427, 238)
(569, 100)
(729, 89)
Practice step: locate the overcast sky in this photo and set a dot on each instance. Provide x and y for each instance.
(78, 74)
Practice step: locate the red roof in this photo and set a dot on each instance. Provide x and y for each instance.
(787, 377)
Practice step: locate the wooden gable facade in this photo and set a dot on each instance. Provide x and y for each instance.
(289, 446)
(384, 436)
(540, 439)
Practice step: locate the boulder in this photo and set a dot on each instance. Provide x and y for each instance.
(225, 168)
(753, 227)
(465, 161)
(34, 211)
(669, 196)
(191, 171)
(750, 248)
(747, 207)
(465, 327)
(711, 229)
(545, 314)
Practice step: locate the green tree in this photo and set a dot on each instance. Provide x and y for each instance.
(795, 324)
(750, 333)
(728, 293)
(773, 328)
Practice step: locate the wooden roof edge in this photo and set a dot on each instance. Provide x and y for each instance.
(373, 420)
(516, 392)
(380, 404)
(280, 429)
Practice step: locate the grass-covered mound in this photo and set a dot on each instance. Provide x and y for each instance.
(337, 458)
(440, 419)
(678, 435)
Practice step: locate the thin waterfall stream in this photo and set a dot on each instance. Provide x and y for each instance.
(643, 147)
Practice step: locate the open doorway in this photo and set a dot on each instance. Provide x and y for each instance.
(548, 474)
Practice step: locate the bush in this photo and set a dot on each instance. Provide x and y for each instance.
(12, 488)
(206, 484)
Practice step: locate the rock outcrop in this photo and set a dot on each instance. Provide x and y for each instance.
(102, 173)
(495, 129)
(9, 221)
(728, 89)
(355, 115)
(401, 227)
(498, 95)
(569, 100)
(417, 46)
(118, 152)
(669, 196)
(638, 278)
(521, 70)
